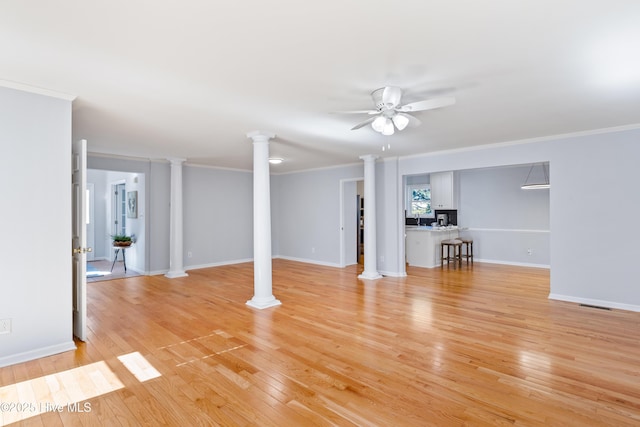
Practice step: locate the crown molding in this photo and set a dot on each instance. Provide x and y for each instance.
(37, 90)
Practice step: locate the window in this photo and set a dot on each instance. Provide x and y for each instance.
(419, 201)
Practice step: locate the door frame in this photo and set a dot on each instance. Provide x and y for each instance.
(343, 218)
(79, 237)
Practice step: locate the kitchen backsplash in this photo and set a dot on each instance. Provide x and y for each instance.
(452, 214)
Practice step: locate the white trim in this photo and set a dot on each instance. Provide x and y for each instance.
(36, 354)
(518, 264)
(505, 230)
(527, 141)
(37, 90)
(318, 169)
(197, 165)
(309, 261)
(596, 302)
(393, 274)
(157, 272)
(122, 157)
(217, 264)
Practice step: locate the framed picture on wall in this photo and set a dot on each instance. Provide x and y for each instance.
(132, 204)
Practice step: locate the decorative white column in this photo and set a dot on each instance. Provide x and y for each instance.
(262, 284)
(176, 267)
(370, 255)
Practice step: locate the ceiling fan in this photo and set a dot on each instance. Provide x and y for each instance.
(390, 115)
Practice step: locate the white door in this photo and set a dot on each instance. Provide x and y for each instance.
(91, 227)
(79, 194)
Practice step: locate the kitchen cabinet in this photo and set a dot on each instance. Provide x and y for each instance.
(422, 245)
(443, 194)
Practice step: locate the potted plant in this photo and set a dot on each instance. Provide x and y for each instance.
(121, 240)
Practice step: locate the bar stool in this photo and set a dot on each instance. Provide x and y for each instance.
(468, 245)
(457, 252)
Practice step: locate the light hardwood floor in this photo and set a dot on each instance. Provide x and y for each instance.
(478, 346)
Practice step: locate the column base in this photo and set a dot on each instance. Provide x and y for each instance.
(175, 274)
(370, 275)
(261, 303)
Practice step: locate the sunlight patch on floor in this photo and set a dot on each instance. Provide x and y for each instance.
(139, 366)
(60, 392)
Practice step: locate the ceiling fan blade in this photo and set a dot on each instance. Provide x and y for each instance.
(413, 121)
(363, 124)
(391, 96)
(427, 104)
(370, 112)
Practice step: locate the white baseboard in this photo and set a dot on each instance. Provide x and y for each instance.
(156, 272)
(217, 264)
(518, 264)
(36, 354)
(310, 261)
(392, 273)
(595, 302)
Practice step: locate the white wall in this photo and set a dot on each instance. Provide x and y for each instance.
(134, 226)
(101, 194)
(35, 290)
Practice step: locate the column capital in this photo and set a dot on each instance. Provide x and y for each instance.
(260, 135)
(369, 157)
(176, 160)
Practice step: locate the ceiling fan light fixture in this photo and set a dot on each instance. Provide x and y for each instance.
(401, 121)
(379, 123)
(388, 127)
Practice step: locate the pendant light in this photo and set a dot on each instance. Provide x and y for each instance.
(537, 185)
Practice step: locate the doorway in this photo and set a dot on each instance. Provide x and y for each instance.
(360, 221)
(119, 209)
(112, 216)
(352, 221)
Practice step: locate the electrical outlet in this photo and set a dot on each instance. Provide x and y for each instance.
(5, 326)
(313, 250)
(529, 251)
(189, 254)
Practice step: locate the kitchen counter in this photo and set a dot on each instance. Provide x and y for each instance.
(430, 228)
(422, 244)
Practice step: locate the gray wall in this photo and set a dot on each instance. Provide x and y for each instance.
(308, 223)
(35, 289)
(504, 220)
(389, 218)
(218, 216)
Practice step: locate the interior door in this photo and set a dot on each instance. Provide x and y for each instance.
(91, 226)
(79, 195)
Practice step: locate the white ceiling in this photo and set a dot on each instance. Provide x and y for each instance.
(190, 79)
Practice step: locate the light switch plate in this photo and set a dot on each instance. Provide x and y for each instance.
(5, 326)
